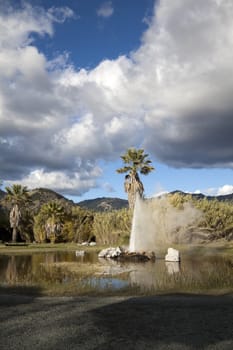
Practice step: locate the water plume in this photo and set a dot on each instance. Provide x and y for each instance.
(157, 223)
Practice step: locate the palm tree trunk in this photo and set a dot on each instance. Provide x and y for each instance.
(133, 187)
(14, 221)
(14, 234)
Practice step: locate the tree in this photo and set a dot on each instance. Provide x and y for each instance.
(50, 220)
(136, 161)
(17, 196)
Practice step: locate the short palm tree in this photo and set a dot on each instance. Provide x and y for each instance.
(54, 214)
(136, 161)
(17, 196)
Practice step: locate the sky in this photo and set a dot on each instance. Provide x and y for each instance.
(81, 81)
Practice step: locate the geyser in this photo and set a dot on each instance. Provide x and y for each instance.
(157, 223)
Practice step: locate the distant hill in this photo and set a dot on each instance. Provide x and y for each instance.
(224, 198)
(40, 196)
(104, 204)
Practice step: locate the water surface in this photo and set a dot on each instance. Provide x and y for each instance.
(68, 273)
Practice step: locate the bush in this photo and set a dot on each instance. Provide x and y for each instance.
(78, 226)
(217, 216)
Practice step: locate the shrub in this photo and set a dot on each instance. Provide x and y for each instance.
(217, 216)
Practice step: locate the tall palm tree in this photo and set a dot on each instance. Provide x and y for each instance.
(17, 196)
(136, 161)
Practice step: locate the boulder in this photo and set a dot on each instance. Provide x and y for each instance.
(122, 255)
(172, 255)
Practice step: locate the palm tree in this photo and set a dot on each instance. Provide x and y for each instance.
(17, 196)
(54, 214)
(135, 162)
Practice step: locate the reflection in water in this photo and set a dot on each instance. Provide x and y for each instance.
(11, 271)
(65, 273)
(18, 268)
(172, 267)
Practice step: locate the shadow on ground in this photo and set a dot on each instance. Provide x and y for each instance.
(159, 322)
(13, 295)
(192, 322)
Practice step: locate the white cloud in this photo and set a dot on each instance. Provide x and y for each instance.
(75, 184)
(16, 26)
(226, 189)
(59, 14)
(220, 191)
(105, 10)
(216, 191)
(172, 96)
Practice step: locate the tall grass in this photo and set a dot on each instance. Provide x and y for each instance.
(112, 227)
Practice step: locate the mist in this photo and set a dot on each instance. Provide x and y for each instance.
(156, 223)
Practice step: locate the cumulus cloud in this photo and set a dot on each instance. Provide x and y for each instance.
(172, 96)
(226, 189)
(220, 191)
(105, 10)
(73, 184)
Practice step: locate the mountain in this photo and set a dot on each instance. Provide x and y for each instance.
(39, 196)
(223, 198)
(104, 204)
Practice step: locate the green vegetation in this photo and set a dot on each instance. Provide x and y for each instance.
(135, 162)
(17, 196)
(56, 220)
(113, 227)
(49, 221)
(217, 218)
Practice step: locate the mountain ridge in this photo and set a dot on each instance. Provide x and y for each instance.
(40, 196)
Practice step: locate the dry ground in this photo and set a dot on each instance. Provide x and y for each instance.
(133, 323)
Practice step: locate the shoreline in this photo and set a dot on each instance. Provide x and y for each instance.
(220, 245)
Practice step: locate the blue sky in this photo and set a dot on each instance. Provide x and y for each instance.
(83, 80)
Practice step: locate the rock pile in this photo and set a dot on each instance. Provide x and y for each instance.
(120, 254)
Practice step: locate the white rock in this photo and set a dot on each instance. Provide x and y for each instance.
(103, 253)
(92, 244)
(110, 253)
(172, 255)
(79, 252)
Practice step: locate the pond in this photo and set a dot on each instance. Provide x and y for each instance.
(72, 273)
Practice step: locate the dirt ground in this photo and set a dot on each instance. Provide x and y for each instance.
(158, 322)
